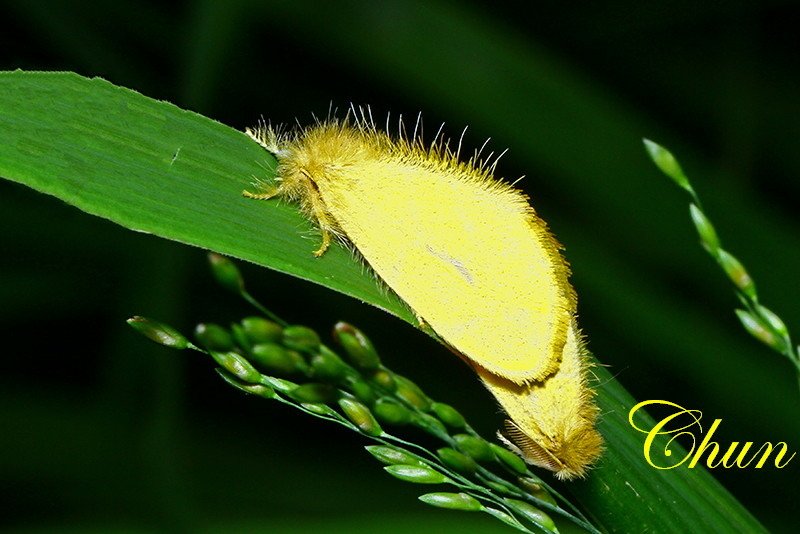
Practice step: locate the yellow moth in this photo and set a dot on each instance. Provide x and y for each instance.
(468, 254)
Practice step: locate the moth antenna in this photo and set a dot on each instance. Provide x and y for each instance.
(460, 141)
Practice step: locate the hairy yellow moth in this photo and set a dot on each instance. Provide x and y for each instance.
(468, 255)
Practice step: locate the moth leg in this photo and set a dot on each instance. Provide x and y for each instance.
(326, 242)
(324, 221)
(272, 193)
(303, 188)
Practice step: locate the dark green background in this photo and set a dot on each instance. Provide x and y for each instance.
(102, 430)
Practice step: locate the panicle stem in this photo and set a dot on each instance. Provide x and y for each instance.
(758, 320)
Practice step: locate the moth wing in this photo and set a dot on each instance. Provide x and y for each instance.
(469, 258)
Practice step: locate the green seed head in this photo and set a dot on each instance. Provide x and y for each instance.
(534, 487)
(360, 416)
(273, 358)
(504, 517)
(240, 338)
(357, 347)
(509, 459)
(362, 390)
(430, 424)
(327, 366)
(737, 273)
(384, 379)
(319, 409)
(667, 163)
(532, 514)
(279, 384)
(501, 489)
(757, 329)
(213, 337)
(256, 389)
(300, 338)
(474, 446)
(323, 393)
(392, 455)
(300, 362)
(411, 393)
(452, 501)
(391, 412)
(226, 273)
(774, 322)
(237, 365)
(456, 460)
(261, 390)
(260, 330)
(705, 229)
(416, 473)
(449, 415)
(159, 332)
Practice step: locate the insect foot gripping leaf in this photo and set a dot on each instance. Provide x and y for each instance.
(468, 254)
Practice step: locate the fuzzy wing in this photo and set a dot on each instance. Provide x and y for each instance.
(467, 255)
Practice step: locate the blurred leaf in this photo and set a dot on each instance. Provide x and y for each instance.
(152, 167)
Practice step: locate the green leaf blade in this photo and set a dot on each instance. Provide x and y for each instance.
(153, 167)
